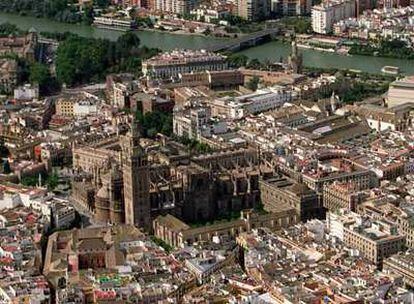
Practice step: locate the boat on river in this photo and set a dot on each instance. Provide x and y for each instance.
(114, 24)
(391, 70)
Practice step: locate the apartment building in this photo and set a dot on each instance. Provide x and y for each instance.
(26, 92)
(76, 106)
(291, 7)
(327, 13)
(374, 240)
(253, 10)
(339, 195)
(8, 74)
(210, 14)
(402, 216)
(64, 107)
(397, 118)
(362, 178)
(175, 7)
(197, 123)
(403, 265)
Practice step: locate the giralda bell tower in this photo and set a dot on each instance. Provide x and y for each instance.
(136, 179)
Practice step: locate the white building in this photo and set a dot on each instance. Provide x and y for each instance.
(63, 214)
(327, 13)
(401, 91)
(26, 92)
(120, 95)
(336, 220)
(175, 6)
(257, 102)
(266, 99)
(209, 14)
(9, 200)
(85, 108)
(172, 64)
(214, 126)
(38, 202)
(197, 122)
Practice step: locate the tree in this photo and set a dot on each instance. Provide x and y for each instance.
(235, 20)
(155, 122)
(194, 145)
(81, 60)
(88, 14)
(394, 48)
(52, 181)
(237, 60)
(300, 25)
(6, 167)
(253, 83)
(254, 64)
(159, 242)
(7, 29)
(128, 44)
(102, 3)
(30, 181)
(60, 10)
(39, 73)
(4, 151)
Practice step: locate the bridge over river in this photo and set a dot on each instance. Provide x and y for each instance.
(52, 42)
(244, 42)
(233, 45)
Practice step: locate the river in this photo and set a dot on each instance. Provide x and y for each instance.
(276, 49)
(164, 41)
(272, 50)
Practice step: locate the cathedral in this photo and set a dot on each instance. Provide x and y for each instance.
(130, 179)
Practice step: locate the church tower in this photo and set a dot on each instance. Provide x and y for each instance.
(295, 58)
(136, 179)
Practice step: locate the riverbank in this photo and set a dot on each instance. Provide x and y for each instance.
(273, 50)
(308, 47)
(182, 33)
(161, 40)
(396, 49)
(276, 50)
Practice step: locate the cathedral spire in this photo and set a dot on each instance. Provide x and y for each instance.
(131, 144)
(135, 128)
